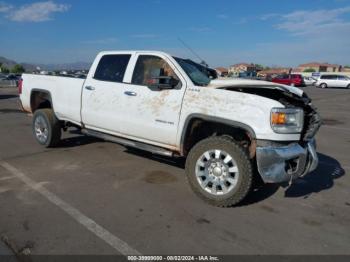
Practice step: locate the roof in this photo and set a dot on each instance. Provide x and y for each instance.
(316, 64)
(242, 64)
(221, 69)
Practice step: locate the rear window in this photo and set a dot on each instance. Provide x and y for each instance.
(343, 78)
(112, 68)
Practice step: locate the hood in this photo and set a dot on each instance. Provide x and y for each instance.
(241, 83)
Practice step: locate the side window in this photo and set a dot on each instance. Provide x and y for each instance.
(112, 68)
(341, 78)
(148, 67)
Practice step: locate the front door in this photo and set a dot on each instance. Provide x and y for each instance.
(153, 114)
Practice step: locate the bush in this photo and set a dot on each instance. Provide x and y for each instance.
(18, 69)
(309, 70)
(4, 69)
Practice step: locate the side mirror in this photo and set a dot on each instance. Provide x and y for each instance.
(163, 82)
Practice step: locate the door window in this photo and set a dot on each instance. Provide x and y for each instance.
(112, 68)
(148, 68)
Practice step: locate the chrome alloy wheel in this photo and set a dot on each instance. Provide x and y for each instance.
(217, 172)
(41, 129)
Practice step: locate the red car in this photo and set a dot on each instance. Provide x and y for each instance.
(290, 80)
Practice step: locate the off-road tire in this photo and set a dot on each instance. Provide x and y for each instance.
(244, 164)
(53, 124)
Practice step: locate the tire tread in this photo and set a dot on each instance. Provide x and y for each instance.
(244, 161)
(55, 126)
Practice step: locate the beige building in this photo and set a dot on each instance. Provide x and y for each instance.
(222, 71)
(320, 67)
(241, 68)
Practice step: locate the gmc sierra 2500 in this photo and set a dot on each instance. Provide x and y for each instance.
(151, 100)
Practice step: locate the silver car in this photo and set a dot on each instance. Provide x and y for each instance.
(309, 81)
(339, 81)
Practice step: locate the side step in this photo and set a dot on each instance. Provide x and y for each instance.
(127, 142)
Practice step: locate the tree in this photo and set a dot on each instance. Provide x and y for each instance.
(4, 69)
(18, 69)
(309, 70)
(259, 66)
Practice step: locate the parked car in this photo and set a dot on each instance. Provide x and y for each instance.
(165, 105)
(309, 81)
(289, 79)
(2, 76)
(339, 81)
(11, 77)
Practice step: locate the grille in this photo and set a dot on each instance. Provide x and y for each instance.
(312, 123)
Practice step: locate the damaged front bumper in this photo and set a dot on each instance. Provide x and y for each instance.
(278, 164)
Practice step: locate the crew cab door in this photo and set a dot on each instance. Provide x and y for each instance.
(103, 92)
(153, 114)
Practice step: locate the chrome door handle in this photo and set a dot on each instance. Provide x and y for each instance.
(130, 93)
(89, 87)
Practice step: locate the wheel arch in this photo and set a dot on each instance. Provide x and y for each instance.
(193, 120)
(40, 98)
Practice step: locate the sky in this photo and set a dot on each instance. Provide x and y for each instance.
(222, 32)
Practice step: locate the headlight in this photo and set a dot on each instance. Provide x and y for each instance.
(287, 120)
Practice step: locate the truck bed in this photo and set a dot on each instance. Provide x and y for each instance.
(65, 90)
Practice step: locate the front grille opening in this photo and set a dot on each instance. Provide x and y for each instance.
(291, 165)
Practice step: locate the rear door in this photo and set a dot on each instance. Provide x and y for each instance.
(103, 107)
(285, 79)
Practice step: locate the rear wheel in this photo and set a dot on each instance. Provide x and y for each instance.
(348, 87)
(323, 85)
(46, 127)
(219, 171)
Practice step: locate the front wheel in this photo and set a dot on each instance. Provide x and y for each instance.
(219, 171)
(46, 127)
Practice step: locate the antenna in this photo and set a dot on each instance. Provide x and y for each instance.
(193, 52)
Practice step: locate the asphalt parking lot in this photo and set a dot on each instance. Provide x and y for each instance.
(94, 197)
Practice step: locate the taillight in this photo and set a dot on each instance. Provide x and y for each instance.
(20, 86)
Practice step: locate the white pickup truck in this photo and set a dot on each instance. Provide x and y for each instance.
(229, 131)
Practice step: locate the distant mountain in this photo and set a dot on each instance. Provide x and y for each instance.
(6, 62)
(49, 67)
(68, 66)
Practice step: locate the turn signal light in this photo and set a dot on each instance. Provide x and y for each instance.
(278, 118)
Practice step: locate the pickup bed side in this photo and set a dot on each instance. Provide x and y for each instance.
(64, 94)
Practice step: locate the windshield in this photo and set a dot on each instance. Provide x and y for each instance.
(197, 76)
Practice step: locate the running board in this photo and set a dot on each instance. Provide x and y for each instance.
(127, 142)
